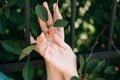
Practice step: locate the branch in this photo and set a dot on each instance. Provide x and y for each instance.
(3, 6)
(96, 41)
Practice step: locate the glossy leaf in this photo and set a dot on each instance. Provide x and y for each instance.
(35, 29)
(91, 65)
(60, 23)
(74, 78)
(41, 12)
(82, 64)
(110, 70)
(11, 47)
(28, 71)
(26, 51)
(99, 67)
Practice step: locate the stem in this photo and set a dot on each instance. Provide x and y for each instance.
(3, 6)
(96, 41)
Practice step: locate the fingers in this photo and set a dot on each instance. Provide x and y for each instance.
(57, 16)
(32, 40)
(50, 20)
(42, 43)
(40, 38)
(43, 25)
(59, 41)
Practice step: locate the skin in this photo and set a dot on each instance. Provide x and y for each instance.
(59, 58)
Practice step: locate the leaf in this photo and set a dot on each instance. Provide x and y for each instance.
(35, 29)
(28, 71)
(11, 47)
(110, 70)
(26, 51)
(91, 65)
(11, 3)
(82, 64)
(74, 78)
(41, 12)
(99, 67)
(60, 23)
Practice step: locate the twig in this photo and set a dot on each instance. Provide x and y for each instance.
(3, 6)
(118, 51)
(96, 41)
(85, 77)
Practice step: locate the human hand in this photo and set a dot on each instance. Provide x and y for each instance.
(48, 26)
(59, 54)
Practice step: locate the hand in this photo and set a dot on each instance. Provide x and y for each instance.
(52, 47)
(59, 31)
(59, 54)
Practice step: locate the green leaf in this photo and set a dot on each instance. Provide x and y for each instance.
(11, 3)
(28, 71)
(99, 67)
(26, 51)
(60, 23)
(82, 64)
(41, 12)
(74, 78)
(110, 70)
(11, 47)
(91, 65)
(35, 29)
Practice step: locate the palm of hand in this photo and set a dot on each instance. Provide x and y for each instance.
(57, 52)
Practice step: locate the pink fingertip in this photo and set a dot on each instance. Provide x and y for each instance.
(45, 3)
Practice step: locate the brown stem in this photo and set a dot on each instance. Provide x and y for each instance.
(96, 41)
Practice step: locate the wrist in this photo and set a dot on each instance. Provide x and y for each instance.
(53, 73)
